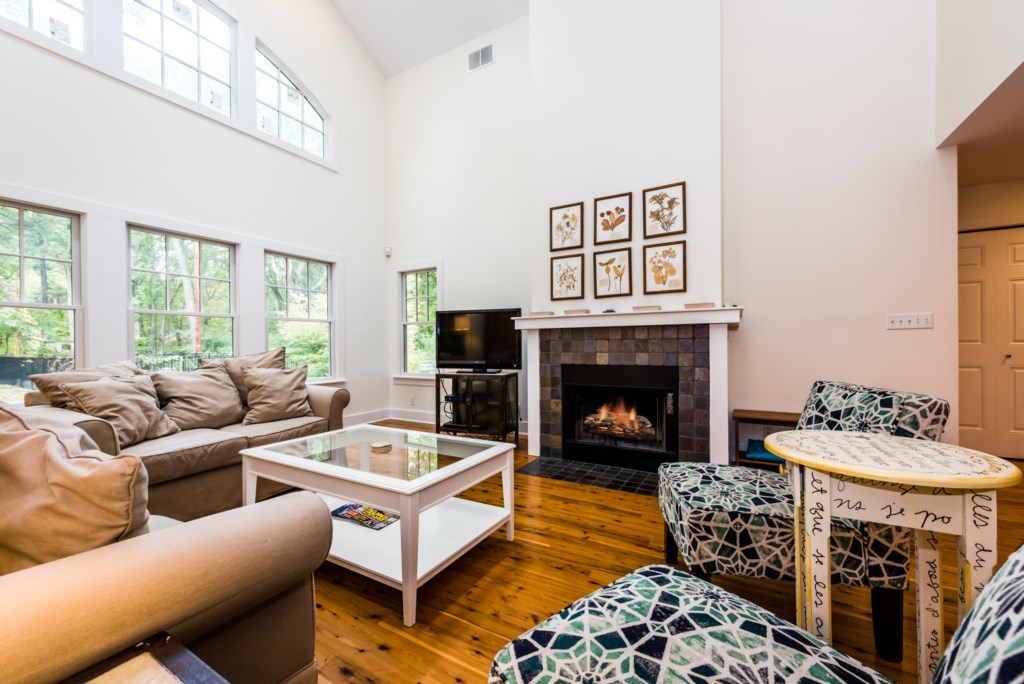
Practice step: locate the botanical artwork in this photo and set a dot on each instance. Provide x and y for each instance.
(665, 210)
(665, 268)
(613, 273)
(613, 218)
(566, 226)
(567, 277)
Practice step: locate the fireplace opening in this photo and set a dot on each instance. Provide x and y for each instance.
(620, 415)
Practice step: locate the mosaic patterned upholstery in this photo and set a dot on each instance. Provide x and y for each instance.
(739, 521)
(659, 624)
(989, 644)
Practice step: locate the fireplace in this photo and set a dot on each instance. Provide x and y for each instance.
(620, 415)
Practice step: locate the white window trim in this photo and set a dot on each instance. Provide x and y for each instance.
(330, 320)
(104, 272)
(104, 54)
(76, 270)
(306, 93)
(400, 377)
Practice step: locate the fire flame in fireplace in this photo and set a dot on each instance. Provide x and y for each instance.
(619, 413)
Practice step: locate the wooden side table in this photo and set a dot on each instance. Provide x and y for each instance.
(928, 486)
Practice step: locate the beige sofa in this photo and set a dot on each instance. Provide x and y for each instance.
(236, 588)
(197, 472)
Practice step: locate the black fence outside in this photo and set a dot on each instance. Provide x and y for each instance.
(14, 370)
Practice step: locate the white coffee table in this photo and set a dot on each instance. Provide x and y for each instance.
(418, 478)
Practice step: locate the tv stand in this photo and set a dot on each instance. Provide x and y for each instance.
(477, 403)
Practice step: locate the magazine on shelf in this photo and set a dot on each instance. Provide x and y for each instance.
(364, 515)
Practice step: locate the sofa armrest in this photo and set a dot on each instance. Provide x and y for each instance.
(101, 431)
(329, 402)
(187, 580)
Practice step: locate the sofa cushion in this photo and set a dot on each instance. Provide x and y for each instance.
(49, 383)
(14, 417)
(188, 452)
(59, 500)
(204, 398)
(129, 404)
(258, 434)
(276, 394)
(236, 364)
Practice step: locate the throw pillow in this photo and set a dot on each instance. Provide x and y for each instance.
(129, 404)
(276, 394)
(236, 364)
(204, 398)
(59, 501)
(49, 383)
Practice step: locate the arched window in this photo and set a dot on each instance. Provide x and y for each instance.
(284, 109)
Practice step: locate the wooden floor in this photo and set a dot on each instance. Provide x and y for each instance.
(570, 540)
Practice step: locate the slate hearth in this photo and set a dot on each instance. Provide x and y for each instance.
(683, 346)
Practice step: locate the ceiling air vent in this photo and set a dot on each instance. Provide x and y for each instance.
(481, 58)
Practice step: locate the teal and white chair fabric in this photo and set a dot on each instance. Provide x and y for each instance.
(739, 521)
(659, 624)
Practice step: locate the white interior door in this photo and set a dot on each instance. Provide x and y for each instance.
(991, 310)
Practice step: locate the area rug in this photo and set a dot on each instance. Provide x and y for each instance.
(609, 477)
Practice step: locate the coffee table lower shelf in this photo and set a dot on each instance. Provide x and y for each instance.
(447, 531)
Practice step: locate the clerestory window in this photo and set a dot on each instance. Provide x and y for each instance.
(184, 46)
(62, 20)
(284, 109)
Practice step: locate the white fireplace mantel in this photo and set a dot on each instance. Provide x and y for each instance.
(717, 319)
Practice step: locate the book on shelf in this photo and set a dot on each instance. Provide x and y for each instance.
(573, 312)
(647, 307)
(364, 515)
(542, 313)
(699, 305)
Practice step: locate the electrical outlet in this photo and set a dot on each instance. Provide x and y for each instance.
(908, 321)
(412, 401)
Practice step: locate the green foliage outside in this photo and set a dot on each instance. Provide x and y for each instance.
(297, 304)
(420, 311)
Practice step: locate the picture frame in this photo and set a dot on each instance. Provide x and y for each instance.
(665, 267)
(565, 226)
(567, 275)
(664, 210)
(613, 273)
(613, 219)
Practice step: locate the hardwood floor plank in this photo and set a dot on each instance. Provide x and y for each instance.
(570, 540)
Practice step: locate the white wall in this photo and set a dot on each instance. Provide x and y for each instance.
(994, 205)
(838, 207)
(88, 139)
(626, 96)
(458, 184)
(979, 45)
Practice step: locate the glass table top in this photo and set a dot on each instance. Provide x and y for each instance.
(400, 454)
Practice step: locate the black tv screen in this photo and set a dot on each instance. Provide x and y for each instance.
(484, 339)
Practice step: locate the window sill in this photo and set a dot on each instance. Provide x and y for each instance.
(326, 381)
(408, 379)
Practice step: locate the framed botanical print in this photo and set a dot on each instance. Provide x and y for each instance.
(665, 267)
(565, 225)
(665, 210)
(613, 273)
(567, 277)
(613, 219)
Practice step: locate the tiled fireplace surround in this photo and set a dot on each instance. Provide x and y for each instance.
(683, 346)
(695, 340)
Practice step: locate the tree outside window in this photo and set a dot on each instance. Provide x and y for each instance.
(420, 307)
(37, 296)
(181, 300)
(298, 311)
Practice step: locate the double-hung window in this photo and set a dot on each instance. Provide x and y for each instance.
(419, 299)
(284, 109)
(62, 20)
(181, 299)
(181, 45)
(299, 312)
(38, 294)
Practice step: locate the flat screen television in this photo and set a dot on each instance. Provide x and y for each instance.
(479, 340)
